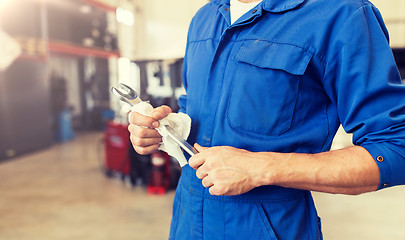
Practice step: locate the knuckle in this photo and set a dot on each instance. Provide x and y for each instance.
(141, 120)
(131, 117)
(140, 131)
(137, 141)
(141, 150)
(209, 164)
(134, 118)
(221, 189)
(132, 138)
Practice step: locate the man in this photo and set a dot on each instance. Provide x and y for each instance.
(266, 94)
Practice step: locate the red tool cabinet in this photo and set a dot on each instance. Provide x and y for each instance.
(116, 147)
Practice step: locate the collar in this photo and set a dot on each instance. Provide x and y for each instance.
(271, 5)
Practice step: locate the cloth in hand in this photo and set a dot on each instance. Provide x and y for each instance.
(180, 122)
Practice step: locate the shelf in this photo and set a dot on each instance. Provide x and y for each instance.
(74, 50)
(104, 6)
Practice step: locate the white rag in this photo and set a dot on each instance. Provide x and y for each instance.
(180, 122)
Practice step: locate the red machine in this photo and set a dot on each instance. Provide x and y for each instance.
(120, 158)
(116, 147)
(160, 173)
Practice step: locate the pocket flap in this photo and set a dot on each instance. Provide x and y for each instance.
(264, 54)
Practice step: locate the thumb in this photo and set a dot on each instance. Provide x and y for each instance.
(161, 112)
(199, 147)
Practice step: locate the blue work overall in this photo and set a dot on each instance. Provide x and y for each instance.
(283, 78)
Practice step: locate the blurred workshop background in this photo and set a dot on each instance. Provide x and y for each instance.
(67, 169)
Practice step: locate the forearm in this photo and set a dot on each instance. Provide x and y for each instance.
(347, 171)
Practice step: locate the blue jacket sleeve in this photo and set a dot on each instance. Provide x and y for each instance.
(364, 84)
(183, 98)
(182, 103)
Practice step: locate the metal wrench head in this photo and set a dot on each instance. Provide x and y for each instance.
(125, 93)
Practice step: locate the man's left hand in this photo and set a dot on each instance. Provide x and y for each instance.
(224, 170)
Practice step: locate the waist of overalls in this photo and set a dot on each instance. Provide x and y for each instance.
(269, 193)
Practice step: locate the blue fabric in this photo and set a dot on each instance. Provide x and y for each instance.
(267, 212)
(282, 78)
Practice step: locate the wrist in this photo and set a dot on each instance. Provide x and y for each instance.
(264, 169)
(273, 168)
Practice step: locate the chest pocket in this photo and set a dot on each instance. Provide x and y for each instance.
(265, 86)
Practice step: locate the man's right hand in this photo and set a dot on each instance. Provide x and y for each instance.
(144, 137)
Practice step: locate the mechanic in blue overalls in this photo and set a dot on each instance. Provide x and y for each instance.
(268, 83)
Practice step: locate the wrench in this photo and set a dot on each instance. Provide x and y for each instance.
(130, 96)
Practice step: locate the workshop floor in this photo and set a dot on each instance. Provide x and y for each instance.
(60, 193)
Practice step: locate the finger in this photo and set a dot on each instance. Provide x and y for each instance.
(143, 132)
(199, 147)
(146, 150)
(214, 190)
(196, 161)
(201, 173)
(142, 120)
(207, 182)
(144, 142)
(161, 112)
